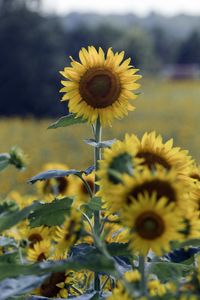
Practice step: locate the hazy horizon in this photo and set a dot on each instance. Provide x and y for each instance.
(142, 8)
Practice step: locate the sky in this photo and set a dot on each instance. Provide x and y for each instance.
(141, 7)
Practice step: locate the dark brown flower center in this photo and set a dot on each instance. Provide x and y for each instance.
(195, 176)
(91, 185)
(34, 238)
(59, 186)
(100, 87)
(71, 230)
(41, 257)
(151, 159)
(162, 189)
(149, 225)
(49, 288)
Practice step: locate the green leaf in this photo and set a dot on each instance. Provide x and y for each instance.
(58, 173)
(68, 120)
(4, 161)
(93, 205)
(192, 243)
(9, 257)
(168, 271)
(119, 249)
(11, 287)
(93, 262)
(12, 218)
(103, 144)
(50, 214)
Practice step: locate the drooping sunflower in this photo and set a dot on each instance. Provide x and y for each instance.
(59, 284)
(67, 234)
(56, 186)
(40, 251)
(100, 85)
(152, 224)
(153, 151)
(117, 161)
(119, 158)
(162, 183)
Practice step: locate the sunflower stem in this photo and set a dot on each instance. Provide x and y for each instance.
(97, 223)
(142, 269)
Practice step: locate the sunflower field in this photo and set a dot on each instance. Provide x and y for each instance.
(105, 204)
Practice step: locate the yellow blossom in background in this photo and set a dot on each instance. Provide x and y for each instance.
(100, 85)
(67, 234)
(51, 188)
(40, 251)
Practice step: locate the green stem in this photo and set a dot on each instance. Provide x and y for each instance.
(97, 156)
(97, 223)
(87, 186)
(143, 282)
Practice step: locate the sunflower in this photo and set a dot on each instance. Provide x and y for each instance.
(119, 159)
(153, 151)
(56, 186)
(152, 224)
(119, 293)
(67, 234)
(40, 251)
(191, 223)
(162, 183)
(35, 235)
(54, 286)
(100, 85)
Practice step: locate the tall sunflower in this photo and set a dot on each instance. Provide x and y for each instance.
(152, 224)
(100, 85)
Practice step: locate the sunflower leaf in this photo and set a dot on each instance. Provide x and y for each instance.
(4, 160)
(58, 173)
(103, 144)
(10, 219)
(50, 214)
(65, 121)
(93, 262)
(168, 270)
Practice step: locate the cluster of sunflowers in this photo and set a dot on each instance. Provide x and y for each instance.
(126, 228)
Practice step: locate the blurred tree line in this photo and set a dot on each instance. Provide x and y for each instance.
(34, 47)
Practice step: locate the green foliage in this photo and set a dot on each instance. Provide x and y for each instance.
(167, 271)
(50, 214)
(9, 219)
(59, 173)
(4, 161)
(67, 121)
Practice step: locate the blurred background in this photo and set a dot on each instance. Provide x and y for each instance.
(36, 39)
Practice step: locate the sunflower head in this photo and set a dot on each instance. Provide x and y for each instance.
(100, 85)
(154, 151)
(152, 225)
